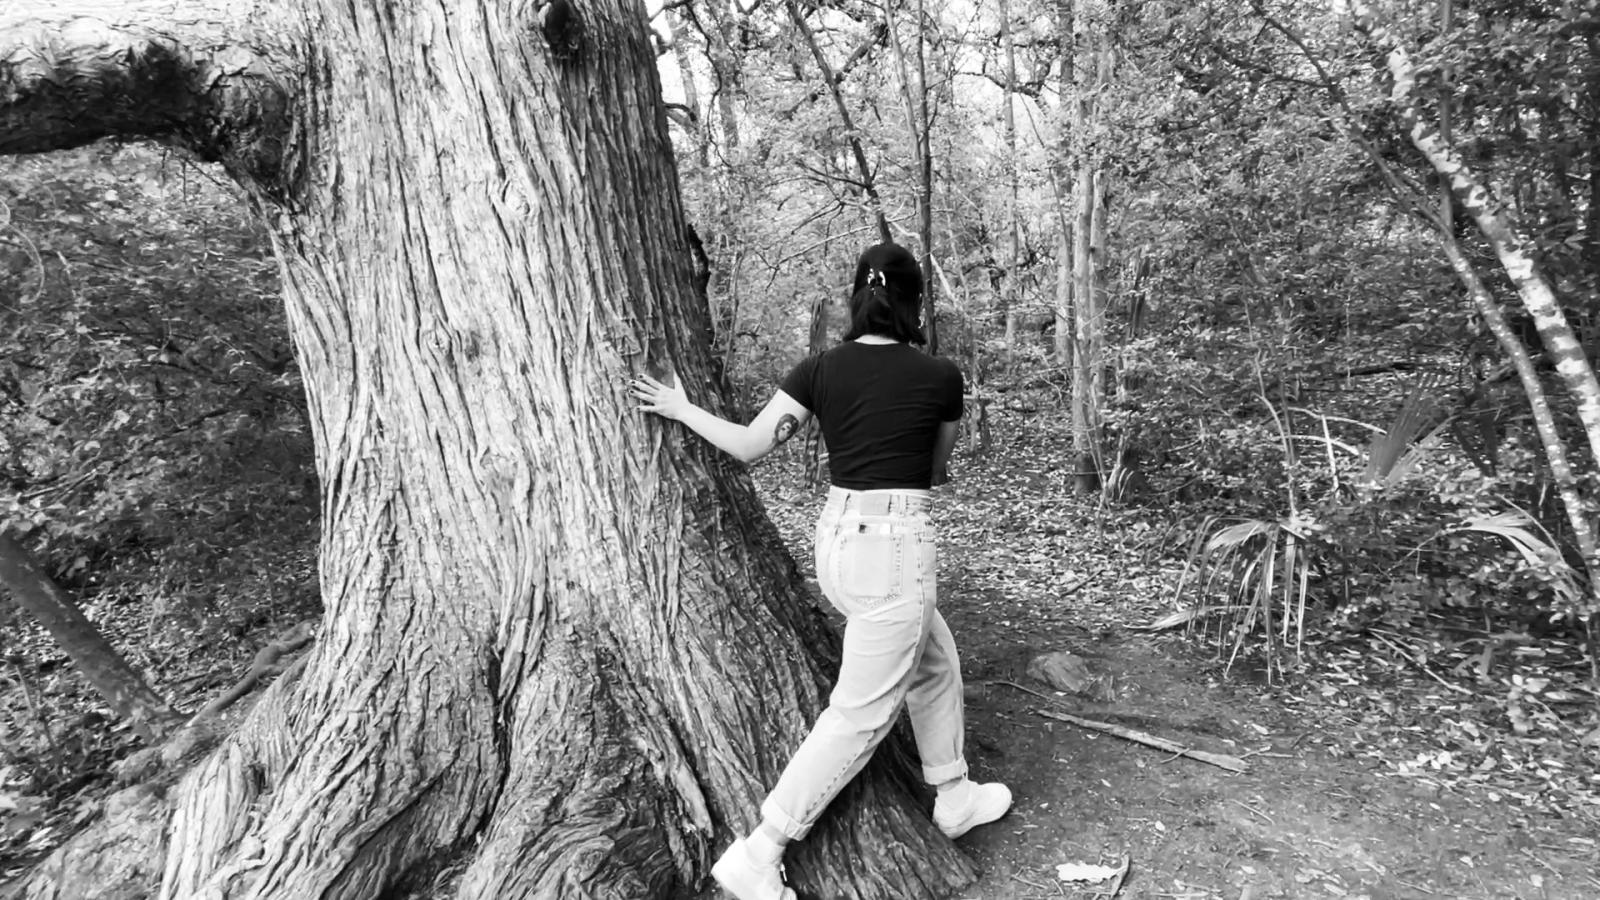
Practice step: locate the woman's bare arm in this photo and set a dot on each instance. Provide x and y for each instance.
(776, 423)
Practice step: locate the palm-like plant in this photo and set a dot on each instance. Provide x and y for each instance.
(1260, 570)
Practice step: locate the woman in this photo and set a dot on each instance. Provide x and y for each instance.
(889, 415)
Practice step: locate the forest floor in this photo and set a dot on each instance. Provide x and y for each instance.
(1370, 774)
(1382, 765)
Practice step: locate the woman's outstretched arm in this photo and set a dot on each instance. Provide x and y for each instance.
(778, 421)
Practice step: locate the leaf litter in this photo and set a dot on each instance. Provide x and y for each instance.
(1496, 729)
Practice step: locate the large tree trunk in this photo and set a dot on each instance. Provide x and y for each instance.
(564, 651)
(122, 686)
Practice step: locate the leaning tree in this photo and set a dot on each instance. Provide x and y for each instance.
(563, 649)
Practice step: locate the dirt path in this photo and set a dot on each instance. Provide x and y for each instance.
(1301, 823)
(1325, 809)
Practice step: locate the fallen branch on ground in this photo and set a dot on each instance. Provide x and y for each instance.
(1221, 761)
(265, 663)
(204, 728)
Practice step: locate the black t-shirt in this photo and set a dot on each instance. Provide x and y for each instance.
(880, 406)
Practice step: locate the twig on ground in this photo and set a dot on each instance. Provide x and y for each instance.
(1266, 753)
(1340, 850)
(1530, 854)
(1037, 887)
(1253, 811)
(1221, 761)
(1421, 665)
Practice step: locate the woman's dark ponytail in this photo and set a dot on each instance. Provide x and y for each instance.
(887, 295)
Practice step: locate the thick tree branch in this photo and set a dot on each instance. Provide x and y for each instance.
(216, 78)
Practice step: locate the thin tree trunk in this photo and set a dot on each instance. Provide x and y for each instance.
(823, 309)
(1513, 247)
(1493, 222)
(1010, 300)
(1061, 182)
(1088, 355)
(914, 99)
(930, 293)
(691, 96)
(726, 70)
(122, 686)
(1591, 243)
(563, 652)
(1065, 336)
(1098, 262)
(1446, 207)
(1087, 339)
(1561, 471)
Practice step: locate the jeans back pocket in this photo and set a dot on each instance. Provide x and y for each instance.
(870, 567)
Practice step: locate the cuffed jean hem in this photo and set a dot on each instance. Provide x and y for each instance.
(948, 772)
(789, 825)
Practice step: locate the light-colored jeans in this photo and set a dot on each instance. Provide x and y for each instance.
(875, 563)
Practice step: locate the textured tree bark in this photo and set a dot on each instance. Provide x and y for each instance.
(564, 651)
(121, 685)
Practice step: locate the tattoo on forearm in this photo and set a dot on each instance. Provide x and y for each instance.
(786, 428)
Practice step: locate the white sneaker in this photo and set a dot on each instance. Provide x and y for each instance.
(743, 877)
(984, 804)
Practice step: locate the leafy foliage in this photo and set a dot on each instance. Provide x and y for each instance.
(1268, 298)
(153, 449)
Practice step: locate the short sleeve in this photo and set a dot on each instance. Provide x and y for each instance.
(950, 402)
(798, 383)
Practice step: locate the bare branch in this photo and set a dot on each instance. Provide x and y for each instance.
(867, 184)
(213, 77)
(832, 176)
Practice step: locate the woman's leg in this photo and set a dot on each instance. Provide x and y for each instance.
(935, 705)
(875, 672)
(885, 622)
(876, 669)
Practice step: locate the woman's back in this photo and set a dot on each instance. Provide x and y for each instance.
(880, 406)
